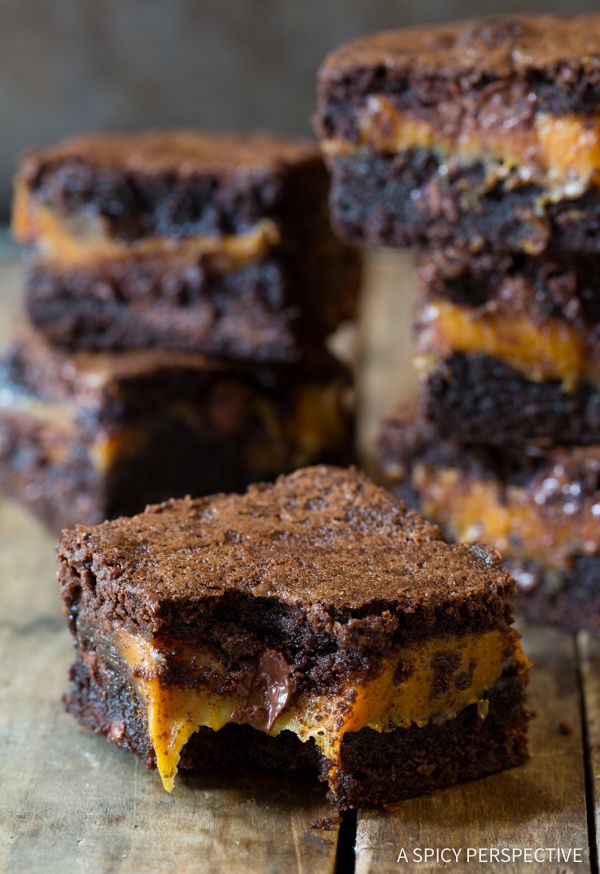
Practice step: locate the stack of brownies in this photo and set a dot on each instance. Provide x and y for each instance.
(180, 289)
(478, 145)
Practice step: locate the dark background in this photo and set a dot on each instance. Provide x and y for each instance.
(71, 65)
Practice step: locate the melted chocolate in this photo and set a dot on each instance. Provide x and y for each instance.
(271, 680)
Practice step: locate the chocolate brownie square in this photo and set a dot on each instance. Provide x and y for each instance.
(479, 133)
(508, 346)
(88, 436)
(314, 623)
(196, 242)
(538, 504)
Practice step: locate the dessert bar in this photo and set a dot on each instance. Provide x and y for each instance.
(539, 505)
(508, 346)
(479, 133)
(314, 623)
(210, 243)
(88, 436)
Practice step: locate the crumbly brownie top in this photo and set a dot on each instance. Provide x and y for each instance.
(557, 58)
(498, 46)
(180, 183)
(181, 152)
(322, 538)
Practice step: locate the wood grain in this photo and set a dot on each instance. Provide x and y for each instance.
(539, 805)
(589, 666)
(71, 802)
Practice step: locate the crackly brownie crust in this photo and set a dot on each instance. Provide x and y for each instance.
(480, 399)
(543, 63)
(568, 598)
(404, 201)
(376, 768)
(269, 311)
(303, 579)
(425, 131)
(180, 183)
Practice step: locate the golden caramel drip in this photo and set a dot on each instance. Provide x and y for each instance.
(392, 699)
(509, 519)
(553, 349)
(85, 240)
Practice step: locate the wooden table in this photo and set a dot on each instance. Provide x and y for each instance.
(71, 802)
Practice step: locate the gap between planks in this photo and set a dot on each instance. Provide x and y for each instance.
(542, 804)
(588, 649)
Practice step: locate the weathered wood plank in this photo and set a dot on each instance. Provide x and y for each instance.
(589, 661)
(72, 802)
(539, 805)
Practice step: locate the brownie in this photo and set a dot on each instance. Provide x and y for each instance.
(88, 436)
(548, 286)
(508, 345)
(314, 623)
(537, 503)
(478, 133)
(217, 244)
(481, 399)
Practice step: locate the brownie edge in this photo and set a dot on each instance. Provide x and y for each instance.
(376, 768)
(296, 541)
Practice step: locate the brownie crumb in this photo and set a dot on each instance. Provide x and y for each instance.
(326, 823)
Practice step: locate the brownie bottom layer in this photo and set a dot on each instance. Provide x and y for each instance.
(375, 769)
(479, 399)
(568, 599)
(270, 311)
(414, 199)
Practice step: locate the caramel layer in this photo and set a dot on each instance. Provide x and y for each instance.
(559, 151)
(84, 240)
(405, 692)
(521, 524)
(553, 349)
